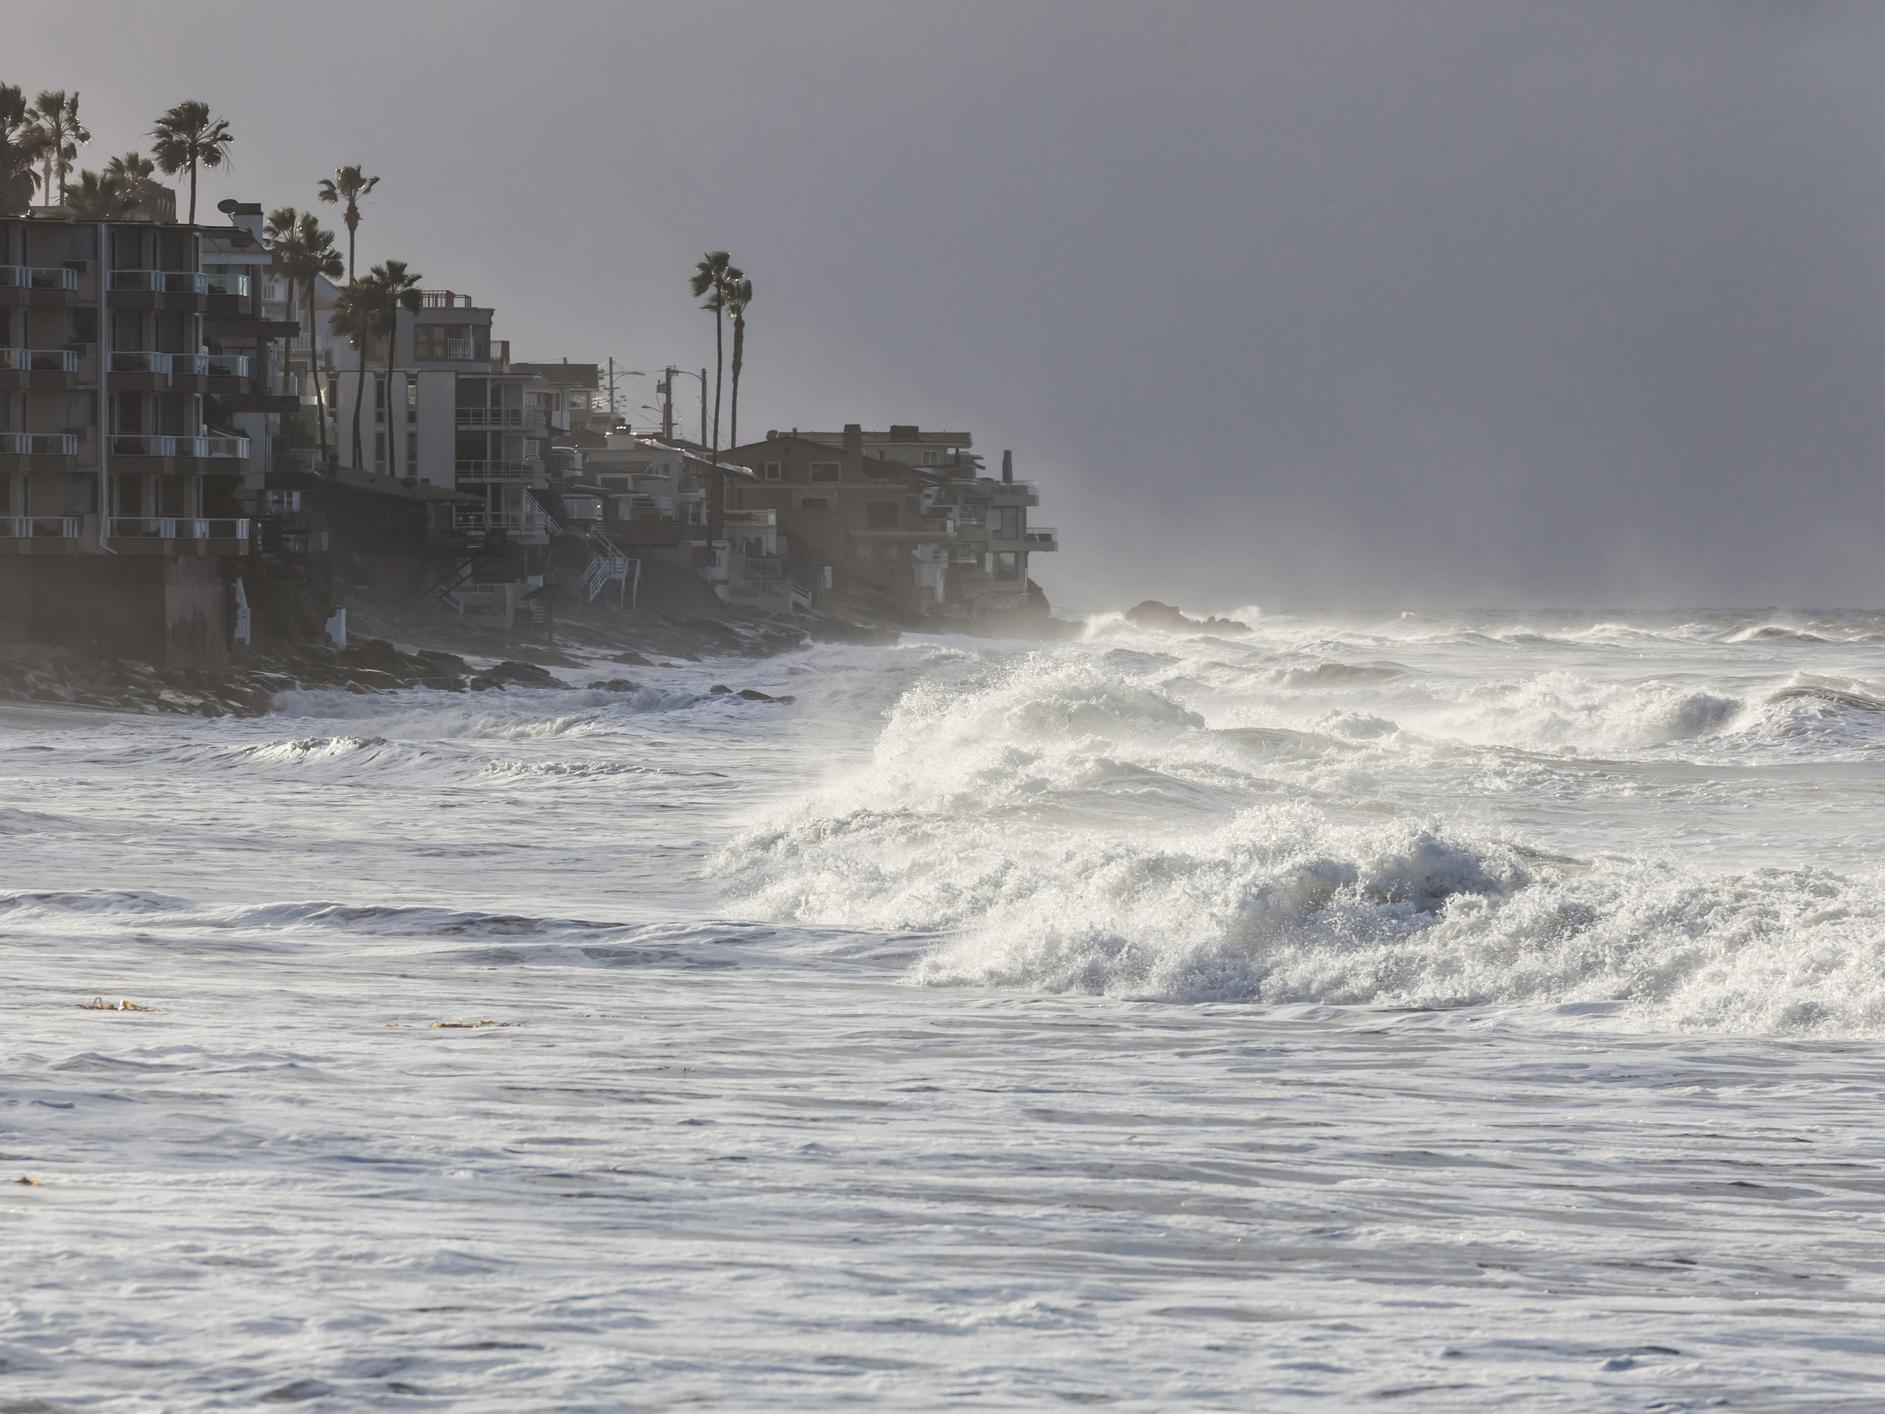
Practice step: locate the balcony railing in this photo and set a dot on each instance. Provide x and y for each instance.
(443, 299)
(38, 361)
(39, 444)
(229, 284)
(207, 365)
(39, 527)
(161, 282)
(37, 277)
(177, 528)
(139, 444)
(142, 361)
(499, 417)
(514, 522)
(461, 349)
(496, 470)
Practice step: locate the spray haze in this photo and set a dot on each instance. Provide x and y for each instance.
(1338, 303)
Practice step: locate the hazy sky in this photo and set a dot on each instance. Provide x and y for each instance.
(1321, 302)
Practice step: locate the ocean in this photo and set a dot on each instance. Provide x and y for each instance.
(1423, 1010)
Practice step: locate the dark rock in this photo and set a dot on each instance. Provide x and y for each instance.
(720, 689)
(753, 694)
(615, 685)
(513, 674)
(633, 659)
(1168, 617)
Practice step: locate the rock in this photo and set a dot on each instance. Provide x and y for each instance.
(512, 674)
(720, 689)
(633, 659)
(753, 694)
(374, 653)
(1150, 613)
(614, 685)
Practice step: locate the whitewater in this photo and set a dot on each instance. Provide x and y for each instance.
(1433, 1010)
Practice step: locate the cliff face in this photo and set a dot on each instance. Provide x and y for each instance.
(1150, 613)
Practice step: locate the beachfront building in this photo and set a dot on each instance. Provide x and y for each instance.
(131, 353)
(936, 539)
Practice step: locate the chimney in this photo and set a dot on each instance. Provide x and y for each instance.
(853, 451)
(1007, 468)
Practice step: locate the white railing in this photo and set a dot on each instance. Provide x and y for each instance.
(460, 349)
(1043, 536)
(207, 365)
(498, 417)
(142, 361)
(229, 365)
(140, 444)
(496, 470)
(161, 282)
(178, 528)
(39, 444)
(38, 361)
(37, 277)
(39, 527)
(229, 284)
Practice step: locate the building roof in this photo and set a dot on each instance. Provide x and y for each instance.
(875, 466)
(900, 432)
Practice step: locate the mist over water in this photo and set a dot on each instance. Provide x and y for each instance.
(1482, 1004)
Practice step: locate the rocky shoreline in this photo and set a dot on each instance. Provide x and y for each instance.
(41, 674)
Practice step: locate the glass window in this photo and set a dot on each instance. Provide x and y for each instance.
(81, 493)
(774, 472)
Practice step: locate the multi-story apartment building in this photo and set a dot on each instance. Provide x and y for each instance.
(930, 534)
(126, 364)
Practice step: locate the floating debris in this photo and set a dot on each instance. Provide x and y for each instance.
(471, 1024)
(100, 1004)
(26, 1180)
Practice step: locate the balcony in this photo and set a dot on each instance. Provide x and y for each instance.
(178, 534)
(1043, 537)
(523, 419)
(209, 373)
(39, 444)
(497, 470)
(38, 285)
(200, 448)
(443, 299)
(142, 363)
(236, 286)
(40, 527)
(159, 282)
(509, 522)
(38, 368)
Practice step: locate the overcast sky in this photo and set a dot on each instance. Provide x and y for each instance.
(1382, 303)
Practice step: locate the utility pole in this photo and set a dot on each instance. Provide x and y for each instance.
(703, 407)
(667, 403)
(611, 390)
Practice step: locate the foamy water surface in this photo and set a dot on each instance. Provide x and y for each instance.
(1424, 1010)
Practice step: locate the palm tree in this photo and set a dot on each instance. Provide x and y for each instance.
(354, 320)
(382, 292)
(133, 171)
(347, 186)
(709, 279)
(739, 295)
(304, 253)
(97, 198)
(19, 150)
(187, 136)
(60, 135)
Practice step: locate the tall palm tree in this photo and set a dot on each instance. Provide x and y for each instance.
(19, 151)
(739, 295)
(96, 198)
(133, 171)
(354, 320)
(60, 135)
(383, 292)
(304, 252)
(346, 187)
(709, 279)
(187, 136)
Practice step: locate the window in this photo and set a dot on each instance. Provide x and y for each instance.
(882, 515)
(84, 326)
(1008, 523)
(1007, 565)
(81, 493)
(774, 472)
(814, 503)
(81, 243)
(824, 471)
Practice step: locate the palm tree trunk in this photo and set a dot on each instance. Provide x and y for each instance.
(359, 396)
(392, 456)
(716, 512)
(314, 368)
(193, 190)
(739, 353)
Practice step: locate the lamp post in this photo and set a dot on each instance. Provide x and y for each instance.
(666, 389)
(614, 377)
